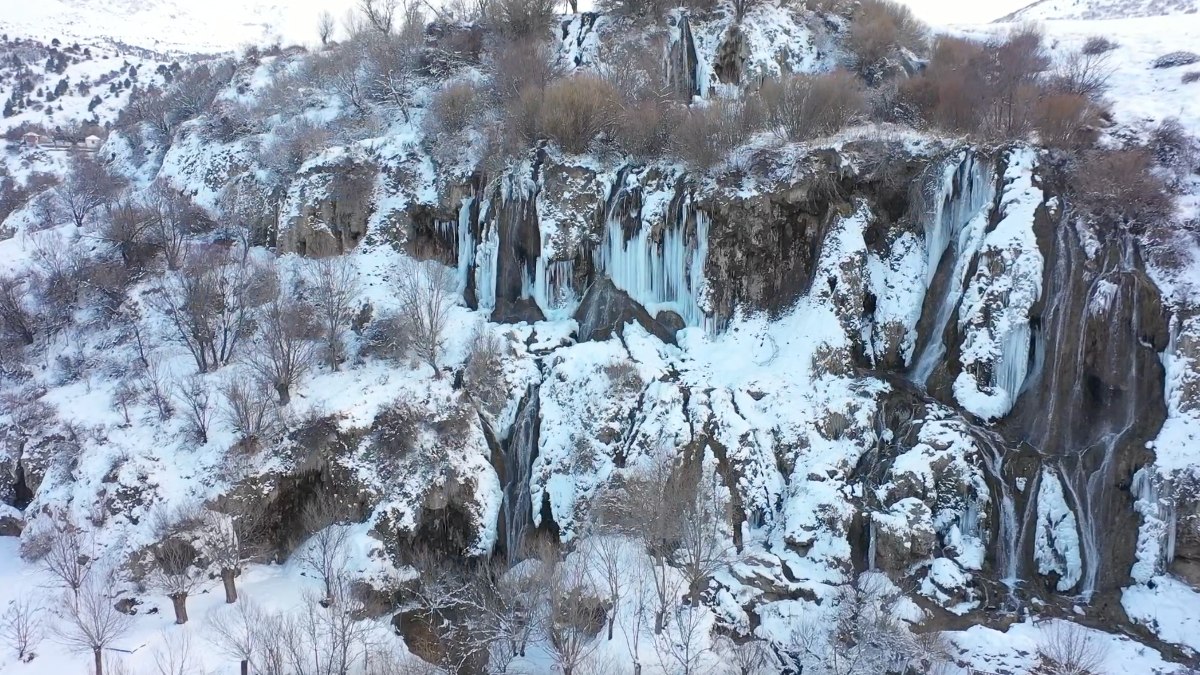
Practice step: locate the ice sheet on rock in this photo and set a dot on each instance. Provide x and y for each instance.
(1056, 545)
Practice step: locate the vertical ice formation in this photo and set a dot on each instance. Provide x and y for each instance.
(1057, 545)
(956, 224)
(460, 235)
(487, 257)
(552, 287)
(663, 273)
(1156, 537)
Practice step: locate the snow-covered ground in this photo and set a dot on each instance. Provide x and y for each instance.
(172, 25)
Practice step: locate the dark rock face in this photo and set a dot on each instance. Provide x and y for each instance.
(606, 310)
(335, 206)
(520, 246)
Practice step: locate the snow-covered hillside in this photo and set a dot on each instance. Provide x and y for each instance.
(730, 338)
(178, 26)
(1052, 10)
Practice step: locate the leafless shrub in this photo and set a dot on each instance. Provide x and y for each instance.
(392, 58)
(1070, 649)
(1083, 74)
(91, 622)
(22, 627)
(238, 632)
(807, 106)
(1191, 77)
(426, 294)
(388, 337)
(1098, 44)
(324, 554)
(195, 400)
(1176, 59)
(576, 617)
(324, 640)
(576, 109)
(483, 376)
(882, 30)
(173, 655)
(66, 553)
(519, 65)
(453, 108)
(752, 657)
(88, 187)
(248, 411)
(332, 286)
(126, 230)
(395, 428)
(1120, 188)
(17, 322)
(173, 219)
(208, 305)
(156, 381)
(293, 143)
(59, 270)
(705, 136)
(643, 128)
(684, 643)
(1175, 148)
(521, 18)
(1066, 120)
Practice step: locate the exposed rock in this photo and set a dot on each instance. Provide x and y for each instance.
(329, 205)
(606, 310)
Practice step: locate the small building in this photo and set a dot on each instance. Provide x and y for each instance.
(92, 142)
(31, 140)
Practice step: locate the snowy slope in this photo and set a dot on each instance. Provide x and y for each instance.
(1050, 10)
(171, 25)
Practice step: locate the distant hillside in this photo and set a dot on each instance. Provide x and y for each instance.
(1048, 10)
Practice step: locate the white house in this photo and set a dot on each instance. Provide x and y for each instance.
(31, 140)
(92, 142)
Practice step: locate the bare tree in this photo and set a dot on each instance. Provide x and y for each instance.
(426, 294)
(173, 656)
(704, 546)
(332, 285)
(1083, 74)
(1070, 649)
(607, 557)
(88, 187)
(126, 229)
(379, 14)
(67, 555)
(22, 628)
(637, 598)
(238, 633)
(249, 409)
(325, 26)
(16, 321)
(576, 617)
(91, 622)
(324, 554)
(176, 575)
(156, 380)
(195, 399)
(285, 352)
(752, 657)
(222, 545)
(173, 218)
(684, 643)
(208, 305)
(327, 640)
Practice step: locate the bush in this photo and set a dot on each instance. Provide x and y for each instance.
(1119, 187)
(519, 65)
(1098, 44)
(1084, 74)
(808, 106)
(704, 136)
(483, 376)
(388, 337)
(454, 108)
(1191, 77)
(1066, 120)
(881, 30)
(643, 129)
(576, 109)
(522, 18)
(1176, 59)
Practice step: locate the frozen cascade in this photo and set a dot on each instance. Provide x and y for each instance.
(552, 288)
(487, 257)
(957, 224)
(1056, 541)
(459, 232)
(871, 545)
(666, 275)
(1011, 531)
(1156, 540)
(1009, 373)
(518, 467)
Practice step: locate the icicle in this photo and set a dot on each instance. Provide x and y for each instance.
(487, 255)
(465, 242)
(871, 545)
(661, 276)
(1156, 537)
(1010, 370)
(552, 287)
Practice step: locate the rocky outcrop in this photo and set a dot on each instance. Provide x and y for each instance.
(328, 205)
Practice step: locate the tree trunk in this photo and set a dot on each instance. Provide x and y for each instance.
(245, 667)
(230, 585)
(180, 603)
(99, 660)
(659, 618)
(285, 396)
(611, 620)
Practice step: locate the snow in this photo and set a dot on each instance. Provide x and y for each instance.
(1056, 542)
(1167, 606)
